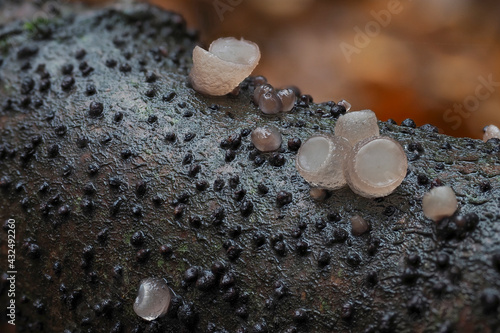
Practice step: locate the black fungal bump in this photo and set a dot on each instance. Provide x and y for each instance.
(82, 142)
(246, 208)
(353, 259)
(347, 311)
(277, 160)
(67, 83)
(110, 63)
(166, 250)
(495, 260)
(150, 77)
(125, 153)
(442, 260)
(201, 185)
(143, 255)
(170, 137)
(283, 198)
(408, 123)
(294, 144)
(53, 150)
(416, 305)
(138, 239)
(263, 189)
(189, 136)
(372, 278)
(27, 51)
(206, 280)
(218, 184)
(410, 275)
(217, 215)
(259, 238)
(169, 97)
(90, 89)
(125, 68)
(323, 258)
(490, 301)
(95, 109)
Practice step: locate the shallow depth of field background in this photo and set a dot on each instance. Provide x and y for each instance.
(428, 60)
(424, 64)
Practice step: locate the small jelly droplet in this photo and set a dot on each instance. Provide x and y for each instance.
(266, 139)
(261, 90)
(269, 103)
(153, 299)
(440, 202)
(288, 98)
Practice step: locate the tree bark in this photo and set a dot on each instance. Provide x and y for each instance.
(163, 179)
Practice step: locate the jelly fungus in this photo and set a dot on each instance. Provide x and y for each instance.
(266, 139)
(375, 167)
(440, 202)
(261, 90)
(318, 194)
(227, 62)
(273, 102)
(270, 103)
(491, 132)
(288, 98)
(320, 161)
(357, 126)
(153, 299)
(359, 225)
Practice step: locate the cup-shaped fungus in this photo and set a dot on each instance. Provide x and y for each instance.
(440, 202)
(375, 167)
(490, 132)
(221, 69)
(266, 139)
(320, 160)
(356, 126)
(153, 299)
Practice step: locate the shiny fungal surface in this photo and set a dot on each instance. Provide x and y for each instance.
(318, 194)
(356, 126)
(270, 103)
(375, 167)
(266, 139)
(288, 98)
(491, 132)
(227, 62)
(261, 90)
(359, 225)
(153, 299)
(439, 202)
(320, 160)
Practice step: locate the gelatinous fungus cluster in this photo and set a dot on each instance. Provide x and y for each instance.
(372, 165)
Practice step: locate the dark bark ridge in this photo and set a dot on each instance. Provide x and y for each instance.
(116, 170)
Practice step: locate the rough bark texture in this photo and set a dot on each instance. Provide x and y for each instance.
(82, 185)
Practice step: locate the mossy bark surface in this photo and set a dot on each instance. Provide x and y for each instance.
(80, 184)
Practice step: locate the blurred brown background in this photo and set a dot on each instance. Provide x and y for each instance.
(420, 59)
(430, 60)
